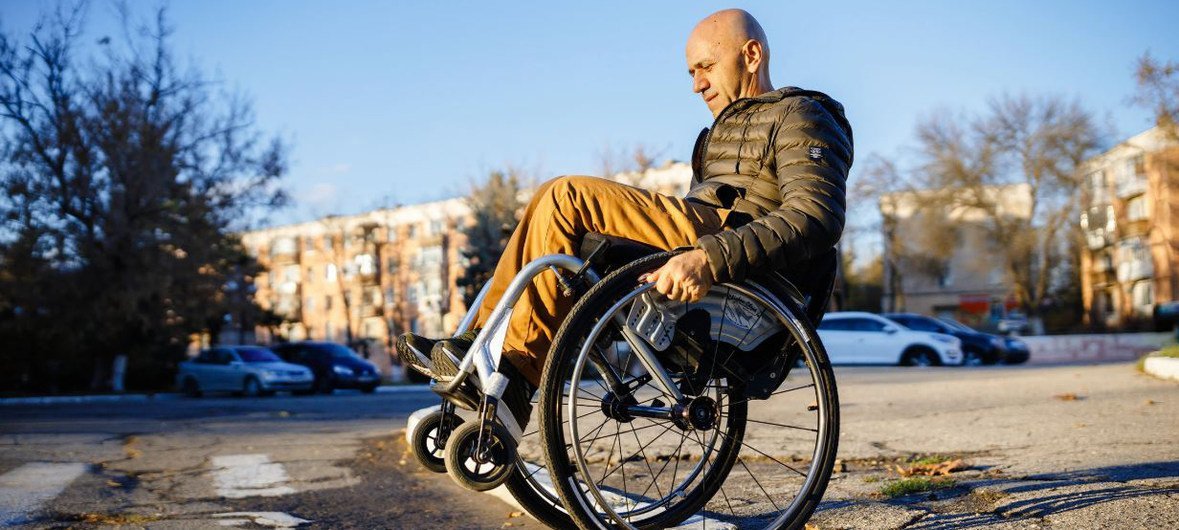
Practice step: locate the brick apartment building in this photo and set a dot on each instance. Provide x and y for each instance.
(1130, 262)
(364, 277)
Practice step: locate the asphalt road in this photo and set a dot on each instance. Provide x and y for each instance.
(1049, 447)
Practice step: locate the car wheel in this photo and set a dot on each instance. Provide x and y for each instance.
(972, 357)
(325, 385)
(251, 387)
(191, 388)
(368, 389)
(920, 357)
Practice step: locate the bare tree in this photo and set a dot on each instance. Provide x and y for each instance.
(1158, 90)
(632, 162)
(1013, 172)
(123, 178)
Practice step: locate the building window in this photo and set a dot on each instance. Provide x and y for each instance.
(309, 305)
(388, 295)
(412, 231)
(290, 273)
(282, 246)
(327, 303)
(392, 266)
(327, 242)
(329, 332)
(308, 244)
(391, 234)
(330, 272)
(1142, 296)
(436, 227)
(1136, 209)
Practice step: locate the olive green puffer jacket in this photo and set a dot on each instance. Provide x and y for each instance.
(780, 162)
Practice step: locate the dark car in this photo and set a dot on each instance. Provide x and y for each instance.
(335, 366)
(1015, 350)
(977, 347)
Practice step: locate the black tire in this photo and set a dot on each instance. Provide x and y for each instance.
(423, 441)
(251, 387)
(307, 392)
(564, 355)
(324, 384)
(973, 357)
(191, 387)
(459, 454)
(538, 504)
(369, 389)
(920, 356)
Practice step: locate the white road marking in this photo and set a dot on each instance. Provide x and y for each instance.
(238, 476)
(24, 489)
(271, 519)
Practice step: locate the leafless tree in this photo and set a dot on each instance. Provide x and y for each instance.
(1014, 170)
(123, 177)
(1158, 90)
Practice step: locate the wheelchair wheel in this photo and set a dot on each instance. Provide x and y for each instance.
(475, 470)
(426, 444)
(752, 442)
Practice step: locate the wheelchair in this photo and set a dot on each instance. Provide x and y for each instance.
(651, 413)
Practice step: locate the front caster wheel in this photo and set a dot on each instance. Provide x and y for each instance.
(428, 440)
(475, 470)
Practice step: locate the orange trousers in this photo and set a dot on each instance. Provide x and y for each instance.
(561, 211)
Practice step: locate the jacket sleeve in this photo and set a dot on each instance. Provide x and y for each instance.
(813, 154)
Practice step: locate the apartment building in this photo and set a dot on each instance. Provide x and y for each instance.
(369, 276)
(1130, 262)
(365, 276)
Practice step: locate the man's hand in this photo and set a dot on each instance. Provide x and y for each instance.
(685, 277)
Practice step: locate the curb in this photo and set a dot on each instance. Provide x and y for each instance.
(1162, 367)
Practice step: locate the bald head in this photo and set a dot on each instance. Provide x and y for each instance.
(728, 58)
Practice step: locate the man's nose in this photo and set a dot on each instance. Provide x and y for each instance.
(699, 83)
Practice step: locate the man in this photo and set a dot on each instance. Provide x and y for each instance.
(767, 194)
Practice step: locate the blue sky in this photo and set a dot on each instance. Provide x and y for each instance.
(385, 102)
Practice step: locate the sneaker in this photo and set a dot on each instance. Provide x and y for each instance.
(414, 352)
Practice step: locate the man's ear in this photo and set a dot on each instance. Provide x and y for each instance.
(753, 54)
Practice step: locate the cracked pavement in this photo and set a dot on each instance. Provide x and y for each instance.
(1071, 447)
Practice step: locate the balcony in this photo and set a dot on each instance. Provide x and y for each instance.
(1131, 186)
(1137, 269)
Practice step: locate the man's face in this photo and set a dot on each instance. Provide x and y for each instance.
(717, 70)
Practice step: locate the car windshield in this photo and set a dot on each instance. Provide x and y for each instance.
(339, 352)
(955, 324)
(257, 355)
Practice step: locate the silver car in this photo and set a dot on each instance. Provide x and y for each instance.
(249, 370)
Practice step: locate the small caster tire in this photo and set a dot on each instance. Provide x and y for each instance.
(466, 470)
(424, 443)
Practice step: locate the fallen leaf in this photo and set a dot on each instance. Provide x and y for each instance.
(1151, 402)
(113, 484)
(1068, 396)
(811, 526)
(932, 470)
(516, 514)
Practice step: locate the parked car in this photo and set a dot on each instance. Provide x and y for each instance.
(335, 366)
(249, 370)
(866, 338)
(977, 347)
(1014, 351)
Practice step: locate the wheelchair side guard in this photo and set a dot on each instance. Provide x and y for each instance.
(735, 319)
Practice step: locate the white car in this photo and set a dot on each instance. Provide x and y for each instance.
(250, 370)
(855, 337)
